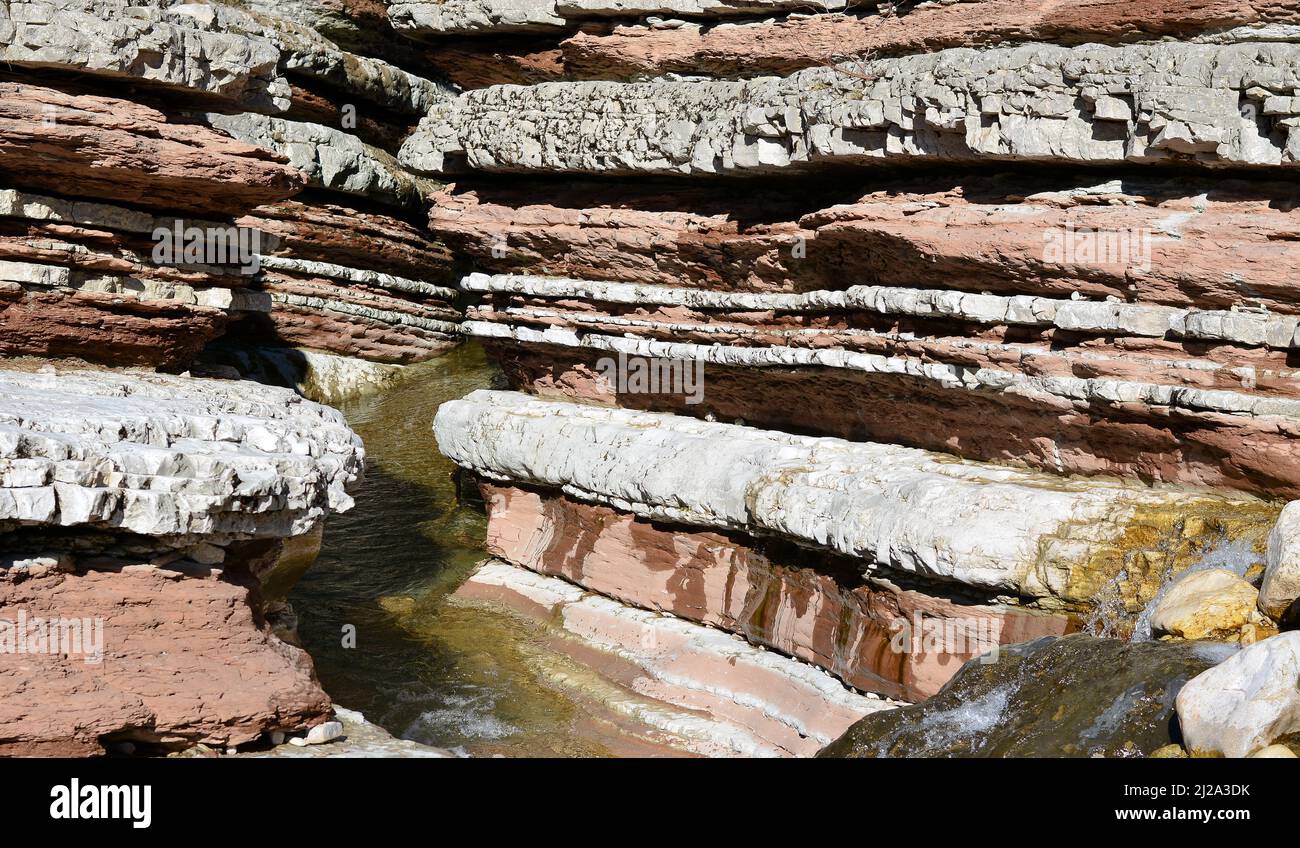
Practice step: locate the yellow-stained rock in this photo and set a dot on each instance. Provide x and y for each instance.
(1213, 603)
(1274, 752)
(1172, 751)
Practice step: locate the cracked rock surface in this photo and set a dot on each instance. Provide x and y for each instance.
(987, 526)
(170, 457)
(1203, 104)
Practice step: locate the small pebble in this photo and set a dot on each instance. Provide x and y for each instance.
(323, 733)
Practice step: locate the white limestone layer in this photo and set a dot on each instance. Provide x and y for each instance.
(168, 456)
(993, 527)
(1206, 104)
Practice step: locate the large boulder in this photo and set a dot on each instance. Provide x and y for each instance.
(1248, 702)
(1074, 696)
(1211, 603)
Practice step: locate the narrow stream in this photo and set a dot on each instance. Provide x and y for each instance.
(426, 666)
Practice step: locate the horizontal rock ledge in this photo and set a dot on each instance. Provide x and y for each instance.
(1043, 416)
(715, 693)
(948, 375)
(206, 48)
(761, 48)
(180, 459)
(1054, 539)
(1204, 243)
(1076, 315)
(1193, 104)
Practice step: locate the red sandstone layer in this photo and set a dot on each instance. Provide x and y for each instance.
(1212, 245)
(1030, 350)
(325, 329)
(874, 636)
(328, 231)
(185, 660)
(105, 328)
(781, 47)
(403, 323)
(112, 149)
(483, 61)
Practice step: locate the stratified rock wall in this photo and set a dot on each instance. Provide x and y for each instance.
(986, 310)
(187, 186)
(914, 277)
(207, 117)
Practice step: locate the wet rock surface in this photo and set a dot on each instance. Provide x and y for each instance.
(1210, 604)
(701, 690)
(1076, 696)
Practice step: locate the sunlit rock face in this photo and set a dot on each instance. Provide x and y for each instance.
(233, 110)
(993, 528)
(870, 632)
(1246, 703)
(986, 307)
(529, 42)
(1091, 104)
(1071, 697)
(700, 690)
(917, 277)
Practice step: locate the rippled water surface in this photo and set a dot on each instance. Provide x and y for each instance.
(425, 667)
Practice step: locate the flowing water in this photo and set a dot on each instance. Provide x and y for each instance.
(479, 680)
(427, 666)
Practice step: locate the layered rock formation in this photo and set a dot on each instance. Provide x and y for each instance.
(187, 186)
(880, 337)
(969, 315)
(705, 692)
(105, 147)
(142, 520)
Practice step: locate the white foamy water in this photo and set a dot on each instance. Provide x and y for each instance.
(969, 720)
(1236, 556)
(470, 716)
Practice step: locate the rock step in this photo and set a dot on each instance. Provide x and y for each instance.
(1054, 539)
(1194, 243)
(1112, 318)
(873, 635)
(1171, 430)
(715, 693)
(168, 456)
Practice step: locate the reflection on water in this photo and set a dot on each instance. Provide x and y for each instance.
(424, 668)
